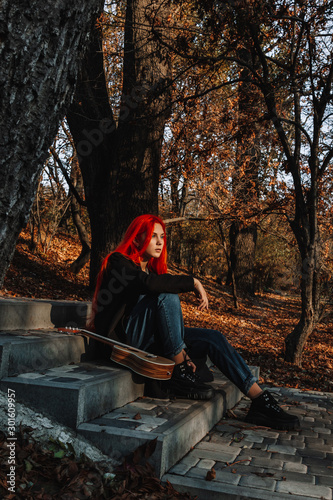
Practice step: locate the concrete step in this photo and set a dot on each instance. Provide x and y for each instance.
(177, 425)
(212, 490)
(25, 313)
(23, 351)
(76, 393)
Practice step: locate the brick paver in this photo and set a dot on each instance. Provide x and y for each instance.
(263, 462)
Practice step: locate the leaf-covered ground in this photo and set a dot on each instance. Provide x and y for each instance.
(257, 329)
(50, 472)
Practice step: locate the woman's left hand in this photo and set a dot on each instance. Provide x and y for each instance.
(189, 361)
(201, 293)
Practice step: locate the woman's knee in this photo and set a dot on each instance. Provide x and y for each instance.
(169, 299)
(216, 340)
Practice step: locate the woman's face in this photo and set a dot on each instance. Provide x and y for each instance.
(156, 244)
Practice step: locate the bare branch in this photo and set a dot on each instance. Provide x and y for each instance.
(68, 180)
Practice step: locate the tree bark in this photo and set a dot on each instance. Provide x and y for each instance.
(77, 183)
(243, 236)
(242, 254)
(231, 276)
(305, 228)
(120, 159)
(296, 340)
(41, 48)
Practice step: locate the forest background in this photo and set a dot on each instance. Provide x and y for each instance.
(218, 117)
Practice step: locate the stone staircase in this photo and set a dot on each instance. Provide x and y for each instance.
(57, 374)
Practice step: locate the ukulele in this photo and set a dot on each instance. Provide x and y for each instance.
(141, 362)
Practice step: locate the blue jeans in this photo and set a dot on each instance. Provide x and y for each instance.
(157, 320)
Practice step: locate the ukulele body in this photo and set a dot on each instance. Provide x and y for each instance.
(141, 362)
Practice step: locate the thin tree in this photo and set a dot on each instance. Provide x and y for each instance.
(292, 42)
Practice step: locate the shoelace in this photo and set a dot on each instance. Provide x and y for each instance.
(271, 403)
(187, 373)
(195, 377)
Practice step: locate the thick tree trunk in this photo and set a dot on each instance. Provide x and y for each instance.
(306, 230)
(41, 46)
(305, 131)
(295, 341)
(120, 159)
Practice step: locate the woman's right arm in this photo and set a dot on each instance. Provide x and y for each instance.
(201, 294)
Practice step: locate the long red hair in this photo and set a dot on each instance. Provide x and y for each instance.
(144, 224)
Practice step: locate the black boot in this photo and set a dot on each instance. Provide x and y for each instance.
(202, 369)
(184, 383)
(265, 410)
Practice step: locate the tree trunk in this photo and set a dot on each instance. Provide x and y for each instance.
(84, 257)
(300, 125)
(231, 276)
(296, 340)
(41, 46)
(243, 237)
(242, 254)
(305, 227)
(120, 159)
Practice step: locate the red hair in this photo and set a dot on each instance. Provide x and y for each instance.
(142, 225)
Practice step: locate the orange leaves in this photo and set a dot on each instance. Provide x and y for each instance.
(36, 275)
(258, 330)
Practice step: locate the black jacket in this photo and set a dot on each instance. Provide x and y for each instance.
(122, 284)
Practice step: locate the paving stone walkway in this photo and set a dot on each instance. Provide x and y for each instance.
(245, 461)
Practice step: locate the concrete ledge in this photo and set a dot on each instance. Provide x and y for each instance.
(16, 314)
(75, 393)
(33, 350)
(174, 438)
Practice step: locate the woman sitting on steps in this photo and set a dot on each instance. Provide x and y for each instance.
(137, 299)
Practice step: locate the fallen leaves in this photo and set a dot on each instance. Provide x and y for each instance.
(211, 474)
(264, 346)
(136, 478)
(47, 276)
(44, 474)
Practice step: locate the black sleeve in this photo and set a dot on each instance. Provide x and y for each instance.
(124, 273)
